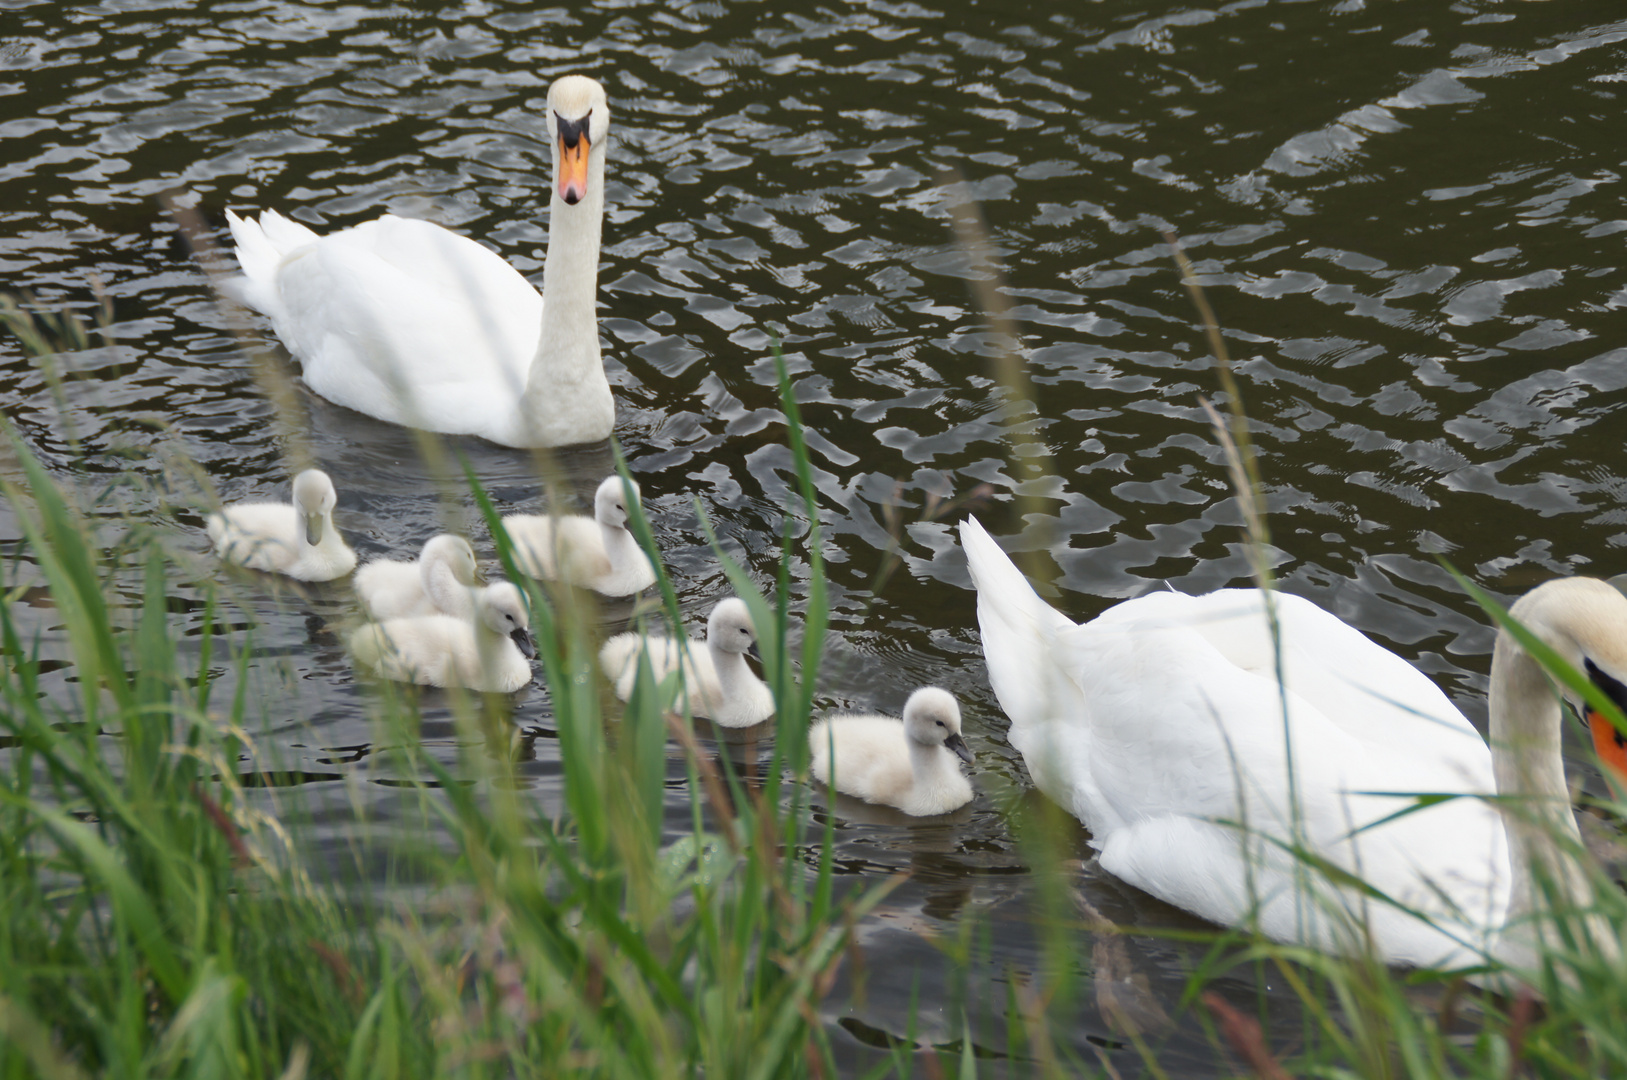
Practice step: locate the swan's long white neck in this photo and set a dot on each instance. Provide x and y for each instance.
(931, 763)
(445, 591)
(566, 383)
(619, 546)
(733, 673)
(1526, 732)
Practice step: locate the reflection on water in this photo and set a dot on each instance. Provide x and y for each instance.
(1408, 218)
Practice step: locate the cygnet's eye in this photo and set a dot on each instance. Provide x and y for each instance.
(938, 722)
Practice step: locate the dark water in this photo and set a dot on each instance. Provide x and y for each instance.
(1408, 217)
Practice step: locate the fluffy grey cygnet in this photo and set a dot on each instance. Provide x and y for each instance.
(910, 765)
(298, 540)
(440, 581)
(491, 653)
(720, 685)
(595, 552)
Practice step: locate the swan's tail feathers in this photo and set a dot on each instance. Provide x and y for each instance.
(261, 248)
(285, 234)
(1018, 629)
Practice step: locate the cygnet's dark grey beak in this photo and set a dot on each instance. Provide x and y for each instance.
(313, 529)
(522, 638)
(755, 653)
(958, 745)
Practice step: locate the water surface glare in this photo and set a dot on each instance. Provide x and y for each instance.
(1406, 216)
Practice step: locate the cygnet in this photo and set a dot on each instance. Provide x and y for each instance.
(439, 582)
(596, 553)
(720, 685)
(910, 765)
(297, 540)
(491, 653)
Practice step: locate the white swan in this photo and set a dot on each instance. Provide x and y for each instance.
(297, 540)
(596, 552)
(720, 685)
(910, 765)
(411, 323)
(439, 582)
(491, 653)
(1159, 724)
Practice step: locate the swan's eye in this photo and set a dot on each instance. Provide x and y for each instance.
(938, 722)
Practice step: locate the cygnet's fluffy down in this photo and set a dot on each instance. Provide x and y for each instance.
(439, 582)
(297, 540)
(910, 765)
(595, 553)
(491, 653)
(720, 685)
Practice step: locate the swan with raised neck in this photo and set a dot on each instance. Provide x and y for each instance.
(416, 325)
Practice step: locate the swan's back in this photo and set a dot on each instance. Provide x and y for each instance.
(261, 536)
(566, 547)
(619, 660)
(391, 588)
(407, 322)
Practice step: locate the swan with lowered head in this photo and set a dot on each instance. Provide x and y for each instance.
(910, 765)
(492, 652)
(720, 685)
(1160, 725)
(440, 581)
(597, 553)
(413, 324)
(298, 540)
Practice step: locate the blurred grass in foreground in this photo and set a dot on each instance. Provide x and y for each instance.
(158, 923)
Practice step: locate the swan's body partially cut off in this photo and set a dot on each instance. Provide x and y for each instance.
(910, 764)
(597, 552)
(439, 582)
(1159, 724)
(298, 540)
(492, 652)
(719, 684)
(413, 324)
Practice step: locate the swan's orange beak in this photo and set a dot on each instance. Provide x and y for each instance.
(573, 160)
(1611, 746)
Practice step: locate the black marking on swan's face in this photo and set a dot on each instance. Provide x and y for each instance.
(573, 131)
(1613, 688)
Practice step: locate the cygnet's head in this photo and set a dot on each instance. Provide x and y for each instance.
(315, 499)
(578, 121)
(502, 608)
(729, 628)
(609, 504)
(453, 552)
(932, 718)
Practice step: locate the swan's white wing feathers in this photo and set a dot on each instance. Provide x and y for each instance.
(397, 318)
(391, 588)
(1355, 684)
